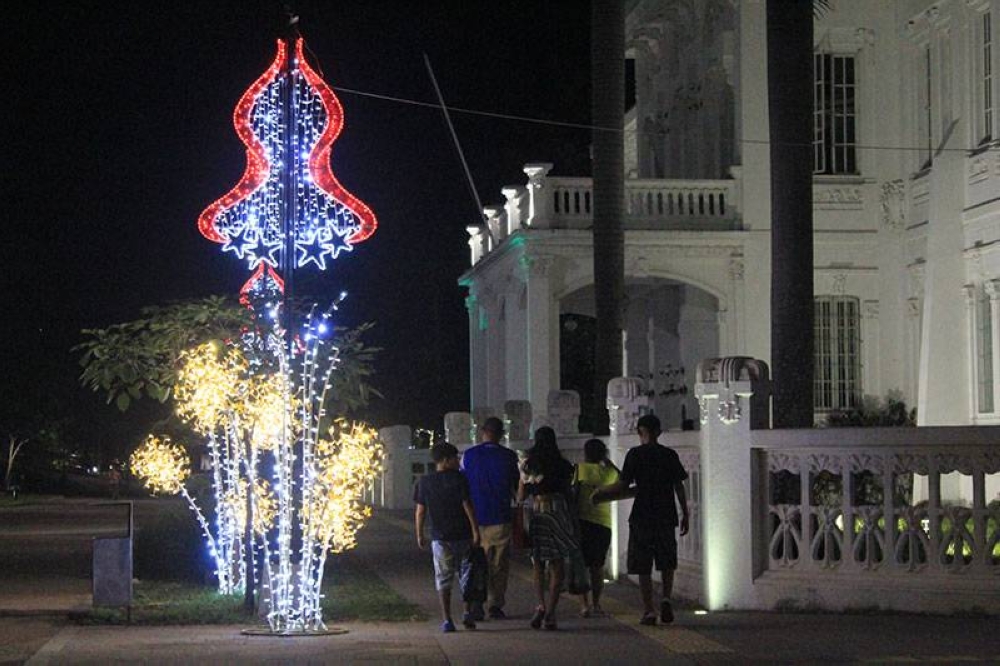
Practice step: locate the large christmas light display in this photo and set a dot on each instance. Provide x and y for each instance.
(288, 478)
(288, 210)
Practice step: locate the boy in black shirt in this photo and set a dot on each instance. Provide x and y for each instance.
(444, 494)
(657, 475)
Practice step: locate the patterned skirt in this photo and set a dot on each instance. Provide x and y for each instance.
(553, 536)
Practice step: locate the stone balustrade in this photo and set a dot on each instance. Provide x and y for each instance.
(915, 510)
(547, 202)
(828, 518)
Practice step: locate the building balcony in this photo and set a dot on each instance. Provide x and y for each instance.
(546, 202)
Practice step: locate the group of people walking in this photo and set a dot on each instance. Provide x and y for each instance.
(469, 505)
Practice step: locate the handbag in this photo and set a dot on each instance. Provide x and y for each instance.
(472, 576)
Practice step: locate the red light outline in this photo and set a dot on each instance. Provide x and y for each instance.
(319, 160)
(259, 275)
(258, 168)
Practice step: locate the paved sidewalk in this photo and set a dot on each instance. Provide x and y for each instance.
(388, 544)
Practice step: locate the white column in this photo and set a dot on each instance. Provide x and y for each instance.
(515, 350)
(972, 349)
(732, 338)
(496, 376)
(397, 479)
(912, 359)
(477, 352)
(542, 331)
(732, 519)
(871, 372)
(993, 291)
(945, 372)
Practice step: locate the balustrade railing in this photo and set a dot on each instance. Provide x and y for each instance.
(567, 203)
(697, 204)
(689, 546)
(929, 507)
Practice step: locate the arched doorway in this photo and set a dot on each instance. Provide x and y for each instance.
(670, 327)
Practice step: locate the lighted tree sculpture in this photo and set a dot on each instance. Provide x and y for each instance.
(288, 211)
(251, 421)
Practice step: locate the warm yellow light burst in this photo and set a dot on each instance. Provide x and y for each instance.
(161, 465)
(265, 411)
(345, 464)
(265, 507)
(209, 385)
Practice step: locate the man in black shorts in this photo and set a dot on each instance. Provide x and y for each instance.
(657, 475)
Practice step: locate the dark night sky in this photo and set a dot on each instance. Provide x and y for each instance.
(117, 133)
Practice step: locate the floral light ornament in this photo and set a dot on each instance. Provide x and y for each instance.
(161, 465)
(265, 506)
(209, 384)
(345, 465)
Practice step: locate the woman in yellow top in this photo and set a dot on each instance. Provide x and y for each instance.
(595, 519)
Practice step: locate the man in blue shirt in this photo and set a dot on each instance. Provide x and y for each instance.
(492, 472)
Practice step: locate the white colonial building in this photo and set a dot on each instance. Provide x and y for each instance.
(906, 215)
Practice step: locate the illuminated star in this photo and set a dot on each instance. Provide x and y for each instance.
(338, 242)
(312, 248)
(244, 245)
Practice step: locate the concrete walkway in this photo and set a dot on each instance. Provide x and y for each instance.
(388, 544)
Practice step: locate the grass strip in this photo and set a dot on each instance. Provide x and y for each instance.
(352, 592)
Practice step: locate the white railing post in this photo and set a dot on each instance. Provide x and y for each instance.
(540, 204)
(458, 430)
(626, 399)
(731, 495)
(495, 223)
(513, 207)
(477, 243)
(396, 479)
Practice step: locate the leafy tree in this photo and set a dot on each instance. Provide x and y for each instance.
(141, 358)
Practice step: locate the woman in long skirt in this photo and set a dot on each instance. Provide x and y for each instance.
(545, 479)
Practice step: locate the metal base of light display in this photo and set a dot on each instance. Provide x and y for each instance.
(266, 631)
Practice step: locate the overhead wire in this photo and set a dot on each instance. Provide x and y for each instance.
(620, 130)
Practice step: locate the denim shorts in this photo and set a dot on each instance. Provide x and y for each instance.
(448, 558)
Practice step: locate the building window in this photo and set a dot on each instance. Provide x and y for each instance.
(834, 115)
(984, 352)
(837, 383)
(986, 78)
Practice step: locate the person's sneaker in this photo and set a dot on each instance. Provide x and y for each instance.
(666, 612)
(478, 614)
(648, 620)
(585, 612)
(447, 627)
(536, 619)
(496, 613)
(597, 611)
(468, 622)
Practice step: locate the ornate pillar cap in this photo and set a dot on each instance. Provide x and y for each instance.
(536, 170)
